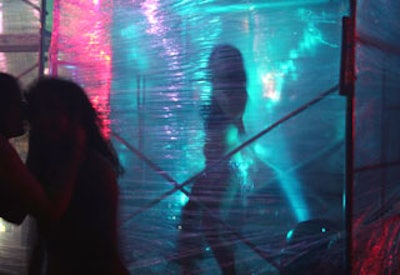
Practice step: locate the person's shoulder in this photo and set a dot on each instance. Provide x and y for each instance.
(99, 164)
(100, 172)
(7, 152)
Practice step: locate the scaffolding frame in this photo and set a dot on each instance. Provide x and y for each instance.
(29, 42)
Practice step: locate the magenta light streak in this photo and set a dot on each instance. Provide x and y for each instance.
(81, 49)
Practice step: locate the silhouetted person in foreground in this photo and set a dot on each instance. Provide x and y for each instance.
(20, 193)
(227, 105)
(85, 239)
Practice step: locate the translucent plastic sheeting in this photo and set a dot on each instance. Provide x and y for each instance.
(377, 136)
(143, 63)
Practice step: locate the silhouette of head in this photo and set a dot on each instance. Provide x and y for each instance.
(228, 79)
(57, 106)
(11, 110)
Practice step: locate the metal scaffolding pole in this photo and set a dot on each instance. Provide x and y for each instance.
(42, 44)
(347, 88)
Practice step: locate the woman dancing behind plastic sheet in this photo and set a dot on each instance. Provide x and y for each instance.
(227, 105)
(84, 241)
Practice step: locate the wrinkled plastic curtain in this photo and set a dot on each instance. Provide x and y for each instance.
(377, 136)
(143, 64)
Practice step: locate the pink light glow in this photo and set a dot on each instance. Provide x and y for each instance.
(81, 49)
(374, 247)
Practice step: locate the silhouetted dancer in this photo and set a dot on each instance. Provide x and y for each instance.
(63, 121)
(225, 110)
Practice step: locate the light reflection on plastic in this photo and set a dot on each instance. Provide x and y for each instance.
(272, 80)
(288, 182)
(270, 87)
(272, 83)
(289, 235)
(89, 49)
(183, 199)
(266, 5)
(312, 37)
(150, 10)
(240, 160)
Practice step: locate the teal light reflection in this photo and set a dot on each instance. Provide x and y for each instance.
(276, 64)
(288, 182)
(231, 8)
(242, 160)
(272, 52)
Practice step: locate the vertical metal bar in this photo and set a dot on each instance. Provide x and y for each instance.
(347, 88)
(53, 47)
(349, 192)
(42, 46)
(383, 172)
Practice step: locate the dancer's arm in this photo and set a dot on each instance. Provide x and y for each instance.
(19, 183)
(61, 171)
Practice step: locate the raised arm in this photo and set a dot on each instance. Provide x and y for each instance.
(19, 184)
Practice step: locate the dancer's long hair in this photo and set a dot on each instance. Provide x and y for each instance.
(226, 65)
(78, 108)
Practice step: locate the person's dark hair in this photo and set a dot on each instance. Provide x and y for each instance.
(226, 66)
(78, 108)
(9, 88)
